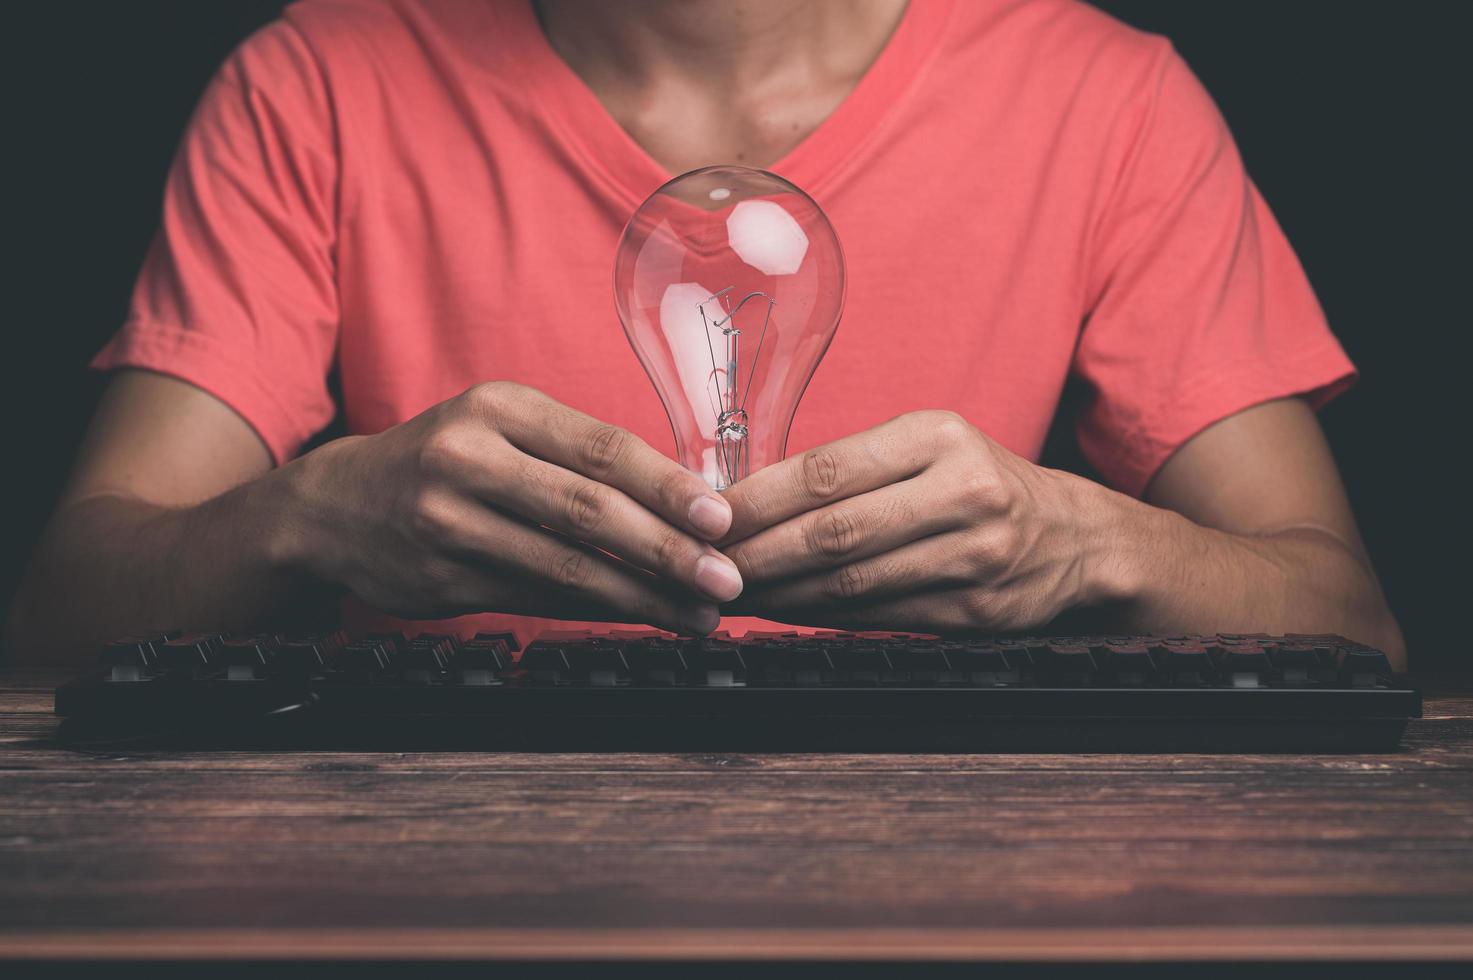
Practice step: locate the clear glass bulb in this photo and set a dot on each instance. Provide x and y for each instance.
(730, 284)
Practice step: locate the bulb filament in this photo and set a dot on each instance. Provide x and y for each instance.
(729, 409)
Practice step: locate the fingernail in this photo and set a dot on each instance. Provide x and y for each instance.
(703, 619)
(718, 578)
(711, 516)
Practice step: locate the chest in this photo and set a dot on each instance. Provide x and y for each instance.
(684, 129)
(487, 254)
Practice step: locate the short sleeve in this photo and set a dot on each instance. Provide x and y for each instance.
(1198, 308)
(238, 292)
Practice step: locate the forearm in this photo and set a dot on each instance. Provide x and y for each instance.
(1157, 571)
(111, 565)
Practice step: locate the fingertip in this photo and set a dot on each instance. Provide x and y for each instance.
(710, 515)
(718, 577)
(702, 619)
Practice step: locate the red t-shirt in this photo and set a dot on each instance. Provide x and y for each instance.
(419, 195)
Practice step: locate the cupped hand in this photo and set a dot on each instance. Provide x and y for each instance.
(504, 500)
(921, 523)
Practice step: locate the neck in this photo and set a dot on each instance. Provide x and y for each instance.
(716, 44)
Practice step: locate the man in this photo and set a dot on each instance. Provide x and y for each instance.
(421, 197)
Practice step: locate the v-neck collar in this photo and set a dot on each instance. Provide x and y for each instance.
(582, 123)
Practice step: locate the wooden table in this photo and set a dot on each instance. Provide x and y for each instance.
(170, 855)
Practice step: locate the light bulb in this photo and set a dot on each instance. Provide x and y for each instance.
(730, 283)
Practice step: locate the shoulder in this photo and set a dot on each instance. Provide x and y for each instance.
(1074, 73)
(1064, 48)
(336, 25)
(388, 33)
(1065, 33)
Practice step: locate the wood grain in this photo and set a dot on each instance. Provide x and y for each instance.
(249, 854)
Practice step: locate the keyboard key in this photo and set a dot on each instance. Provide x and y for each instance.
(254, 650)
(327, 644)
(191, 651)
(544, 663)
(390, 643)
(659, 664)
(863, 664)
(1362, 666)
(982, 664)
(481, 660)
(1244, 665)
(715, 663)
(972, 657)
(596, 664)
(299, 656)
(485, 654)
(1070, 664)
(1021, 656)
(447, 645)
(1130, 665)
(1305, 662)
(426, 658)
(1187, 665)
(810, 663)
(506, 636)
(244, 658)
(135, 651)
(767, 663)
(131, 658)
(921, 663)
(364, 660)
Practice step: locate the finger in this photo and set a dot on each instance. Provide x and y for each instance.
(600, 515)
(887, 453)
(543, 427)
(930, 563)
(860, 527)
(569, 574)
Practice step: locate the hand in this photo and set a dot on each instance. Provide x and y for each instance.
(922, 523)
(504, 500)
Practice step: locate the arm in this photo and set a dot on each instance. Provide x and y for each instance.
(499, 499)
(1251, 526)
(925, 523)
(165, 522)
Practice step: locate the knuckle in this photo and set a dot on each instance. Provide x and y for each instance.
(431, 516)
(975, 608)
(441, 451)
(668, 549)
(588, 506)
(820, 473)
(979, 491)
(833, 534)
(493, 402)
(901, 512)
(1006, 541)
(486, 396)
(949, 428)
(606, 445)
(991, 551)
(849, 582)
(748, 564)
(573, 571)
(672, 488)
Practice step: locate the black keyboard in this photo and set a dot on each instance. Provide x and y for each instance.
(645, 690)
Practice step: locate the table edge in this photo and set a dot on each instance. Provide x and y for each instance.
(1188, 943)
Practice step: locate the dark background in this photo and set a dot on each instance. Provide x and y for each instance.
(1353, 118)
